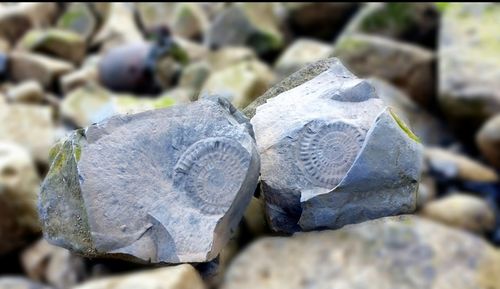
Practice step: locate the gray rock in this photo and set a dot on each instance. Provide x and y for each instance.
(409, 67)
(469, 66)
(166, 185)
(20, 283)
(488, 140)
(463, 211)
(333, 154)
(301, 52)
(82, 18)
(254, 25)
(19, 183)
(176, 277)
(32, 66)
(405, 252)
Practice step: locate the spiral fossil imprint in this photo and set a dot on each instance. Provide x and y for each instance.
(326, 151)
(211, 172)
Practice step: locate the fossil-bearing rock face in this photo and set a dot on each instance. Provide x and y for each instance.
(160, 186)
(333, 154)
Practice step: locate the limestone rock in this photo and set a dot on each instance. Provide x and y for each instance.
(252, 24)
(30, 126)
(19, 283)
(18, 192)
(177, 277)
(14, 22)
(318, 20)
(333, 154)
(196, 167)
(31, 66)
(194, 75)
(41, 14)
(59, 43)
(57, 266)
(243, 82)
(454, 165)
(78, 78)
(228, 56)
(469, 64)
(403, 252)
(307, 73)
(29, 91)
(488, 140)
(463, 211)
(408, 22)
(428, 128)
(189, 20)
(300, 53)
(81, 18)
(406, 66)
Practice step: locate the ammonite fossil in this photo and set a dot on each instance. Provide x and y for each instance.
(211, 171)
(327, 150)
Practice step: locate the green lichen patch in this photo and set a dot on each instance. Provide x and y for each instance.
(392, 16)
(404, 127)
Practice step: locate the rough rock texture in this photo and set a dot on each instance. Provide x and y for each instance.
(488, 140)
(462, 211)
(409, 67)
(458, 166)
(254, 25)
(469, 64)
(177, 277)
(301, 52)
(166, 185)
(57, 266)
(403, 252)
(30, 126)
(19, 183)
(19, 283)
(32, 66)
(333, 154)
(242, 82)
(307, 73)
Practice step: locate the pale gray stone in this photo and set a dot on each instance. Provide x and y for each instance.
(332, 154)
(166, 185)
(404, 252)
(20, 283)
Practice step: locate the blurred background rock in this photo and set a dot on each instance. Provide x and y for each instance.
(67, 65)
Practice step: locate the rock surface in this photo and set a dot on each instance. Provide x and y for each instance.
(463, 211)
(488, 140)
(28, 91)
(300, 53)
(354, 159)
(469, 64)
(19, 283)
(404, 252)
(19, 183)
(100, 199)
(177, 277)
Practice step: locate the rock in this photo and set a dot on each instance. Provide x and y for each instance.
(300, 53)
(120, 28)
(18, 190)
(19, 283)
(194, 75)
(426, 126)
(469, 66)
(176, 277)
(127, 104)
(414, 23)
(394, 252)
(194, 50)
(456, 166)
(408, 67)
(195, 165)
(462, 211)
(488, 140)
(80, 18)
(32, 66)
(228, 56)
(427, 190)
(14, 22)
(29, 91)
(318, 20)
(243, 82)
(31, 126)
(333, 154)
(58, 43)
(255, 218)
(78, 78)
(41, 14)
(307, 73)
(189, 20)
(56, 266)
(254, 25)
